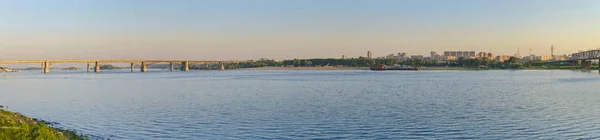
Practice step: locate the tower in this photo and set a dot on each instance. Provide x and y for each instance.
(518, 55)
(552, 50)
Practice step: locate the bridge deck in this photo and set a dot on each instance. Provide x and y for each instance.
(119, 61)
(586, 55)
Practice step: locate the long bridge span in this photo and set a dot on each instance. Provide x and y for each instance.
(586, 57)
(185, 64)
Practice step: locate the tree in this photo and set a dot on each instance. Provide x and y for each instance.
(512, 60)
(477, 62)
(433, 63)
(485, 61)
(461, 61)
(418, 62)
(500, 65)
(296, 63)
(308, 63)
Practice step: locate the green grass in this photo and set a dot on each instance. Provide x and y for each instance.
(14, 126)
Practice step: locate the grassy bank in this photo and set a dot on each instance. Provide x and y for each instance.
(14, 126)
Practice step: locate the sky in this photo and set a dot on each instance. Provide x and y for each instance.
(287, 29)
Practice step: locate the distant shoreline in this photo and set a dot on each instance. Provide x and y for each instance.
(306, 68)
(422, 68)
(353, 68)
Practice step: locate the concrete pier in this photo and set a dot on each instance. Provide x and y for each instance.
(132, 67)
(42, 67)
(171, 67)
(46, 67)
(88, 67)
(97, 67)
(144, 67)
(185, 66)
(587, 64)
(222, 66)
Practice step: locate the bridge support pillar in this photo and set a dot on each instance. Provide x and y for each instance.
(587, 64)
(144, 67)
(88, 67)
(46, 68)
(185, 66)
(222, 66)
(132, 67)
(43, 67)
(97, 67)
(171, 67)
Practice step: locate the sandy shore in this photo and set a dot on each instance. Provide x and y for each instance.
(308, 68)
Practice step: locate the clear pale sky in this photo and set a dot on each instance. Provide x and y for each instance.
(285, 29)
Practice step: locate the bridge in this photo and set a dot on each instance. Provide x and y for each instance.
(185, 64)
(586, 57)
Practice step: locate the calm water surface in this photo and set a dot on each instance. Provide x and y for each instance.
(313, 104)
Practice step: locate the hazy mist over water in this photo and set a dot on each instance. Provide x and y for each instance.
(496, 104)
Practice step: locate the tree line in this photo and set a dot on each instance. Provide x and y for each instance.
(511, 63)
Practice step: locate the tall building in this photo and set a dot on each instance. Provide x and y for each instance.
(369, 55)
(502, 58)
(450, 58)
(530, 57)
(491, 55)
(543, 58)
(413, 57)
(459, 54)
(389, 56)
(402, 56)
(482, 55)
(344, 57)
(436, 56)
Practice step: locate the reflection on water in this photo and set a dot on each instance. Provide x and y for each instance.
(313, 104)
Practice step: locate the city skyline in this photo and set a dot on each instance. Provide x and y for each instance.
(241, 30)
(530, 52)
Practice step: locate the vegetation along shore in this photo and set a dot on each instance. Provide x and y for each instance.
(363, 63)
(14, 126)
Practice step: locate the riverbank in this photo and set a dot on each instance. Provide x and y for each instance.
(422, 68)
(456, 68)
(526, 68)
(14, 126)
(308, 68)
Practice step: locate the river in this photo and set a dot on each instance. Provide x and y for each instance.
(279, 104)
